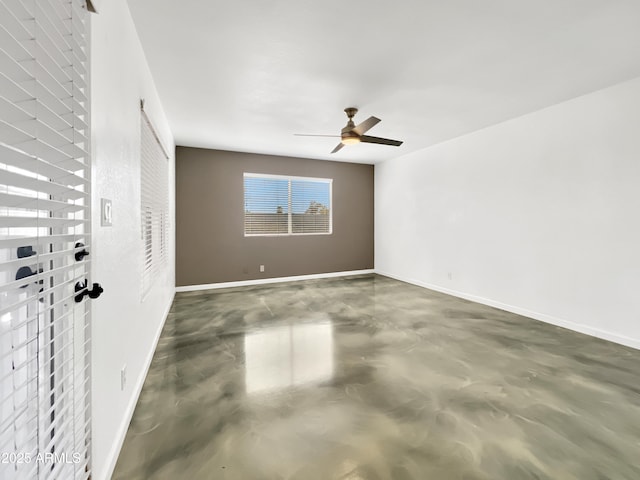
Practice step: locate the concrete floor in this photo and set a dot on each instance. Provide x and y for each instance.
(368, 378)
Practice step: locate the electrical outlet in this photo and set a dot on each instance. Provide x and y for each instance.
(245, 270)
(123, 377)
(450, 275)
(262, 268)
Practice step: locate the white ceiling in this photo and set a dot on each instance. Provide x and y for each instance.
(246, 75)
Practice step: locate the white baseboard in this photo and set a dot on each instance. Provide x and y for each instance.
(112, 458)
(262, 281)
(576, 327)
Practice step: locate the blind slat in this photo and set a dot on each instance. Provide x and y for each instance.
(37, 185)
(49, 222)
(13, 91)
(30, 203)
(57, 173)
(43, 257)
(14, 47)
(19, 241)
(14, 68)
(21, 11)
(35, 280)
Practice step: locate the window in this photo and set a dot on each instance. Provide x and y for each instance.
(154, 207)
(45, 198)
(279, 205)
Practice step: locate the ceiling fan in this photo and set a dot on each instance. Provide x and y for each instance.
(352, 133)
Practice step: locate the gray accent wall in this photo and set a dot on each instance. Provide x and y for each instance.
(210, 242)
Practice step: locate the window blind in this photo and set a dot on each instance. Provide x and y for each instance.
(282, 205)
(154, 203)
(310, 202)
(44, 222)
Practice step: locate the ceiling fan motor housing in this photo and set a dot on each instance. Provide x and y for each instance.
(351, 111)
(347, 133)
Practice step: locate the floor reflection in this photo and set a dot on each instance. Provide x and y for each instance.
(285, 356)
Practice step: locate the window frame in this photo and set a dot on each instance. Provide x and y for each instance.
(289, 178)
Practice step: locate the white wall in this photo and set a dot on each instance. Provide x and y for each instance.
(539, 215)
(124, 329)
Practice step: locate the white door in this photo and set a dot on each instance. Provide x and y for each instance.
(44, 223)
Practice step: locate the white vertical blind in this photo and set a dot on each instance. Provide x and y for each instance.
(282, 205)
(44, 217)
(154, 203)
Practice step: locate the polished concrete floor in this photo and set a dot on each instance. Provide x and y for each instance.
(368, 378)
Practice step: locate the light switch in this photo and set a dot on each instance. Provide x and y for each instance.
(105, 212)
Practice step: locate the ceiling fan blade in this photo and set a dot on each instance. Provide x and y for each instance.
(361, 128)
(313, 135)
(383, 141)
(338, 147)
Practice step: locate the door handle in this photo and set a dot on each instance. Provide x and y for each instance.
(82, 253)
(95, 292)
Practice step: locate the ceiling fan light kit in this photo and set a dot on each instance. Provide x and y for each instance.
(350, 139)
(352, 133)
